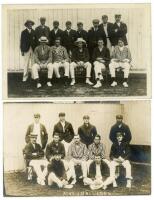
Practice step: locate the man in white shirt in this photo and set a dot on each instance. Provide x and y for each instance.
(38, 129)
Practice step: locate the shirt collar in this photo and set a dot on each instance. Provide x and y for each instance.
(29, 30)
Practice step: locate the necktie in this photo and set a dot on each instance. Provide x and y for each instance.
(42, 49)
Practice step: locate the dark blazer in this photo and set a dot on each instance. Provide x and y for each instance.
(80, 56)
(105, 54)
(57, 167)
(43, 132)
(53, 148)
(109, 30)
(93, 37)
(29, 150)
(82, 34)
(121, 33)
(122, 150)
(104, 169)
(27, 40)
(39, 31)
(68, 40)
(124, 129)
(67, 134)
(53, 36)
(87, 133)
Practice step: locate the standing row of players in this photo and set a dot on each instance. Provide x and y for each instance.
(108, 33)
(69, 150)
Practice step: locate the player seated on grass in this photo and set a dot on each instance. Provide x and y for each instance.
(35, 157)
(99, 174)
(58, 173)
(119, 155)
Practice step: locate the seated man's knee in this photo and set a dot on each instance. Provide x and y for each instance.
(126, 164)
(55, 65)
(111, 66)
(73, 65)
(50, 66)
(126, 66)
(88, 64)
(66, 64)
(35, 66)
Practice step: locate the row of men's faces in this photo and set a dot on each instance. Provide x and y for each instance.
(79, 25)
(62, 118)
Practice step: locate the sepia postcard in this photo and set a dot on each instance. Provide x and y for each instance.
(77, 149)
(79, 51)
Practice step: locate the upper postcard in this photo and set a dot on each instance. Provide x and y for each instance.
(77, 52)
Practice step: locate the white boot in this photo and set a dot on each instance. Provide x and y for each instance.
(125, 84)
(98, 84)
(39, 85)
(115, 184)
(72, 82)
(129, 183)
(49, 84)
(114, 84)
(89, 82)
(25, 78)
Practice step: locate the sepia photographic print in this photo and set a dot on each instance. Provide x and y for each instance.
(76, 51)
(77, 149)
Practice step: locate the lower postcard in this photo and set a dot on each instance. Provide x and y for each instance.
(77, 149)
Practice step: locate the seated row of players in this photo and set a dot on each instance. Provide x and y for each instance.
(108, 33)
(56, 56)
(68, 151)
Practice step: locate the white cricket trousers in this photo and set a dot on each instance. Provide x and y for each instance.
(57, 65)
(36, 164)
(114, 65)
(28, 61)
(87, 65)
(36, 68)
(98, 68)
(52, 178)
(126, 164)
(73, 162)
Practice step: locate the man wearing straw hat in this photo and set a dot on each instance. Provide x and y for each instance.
(27, 46)
(42, 29)
(42, 59)
(80, 57)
